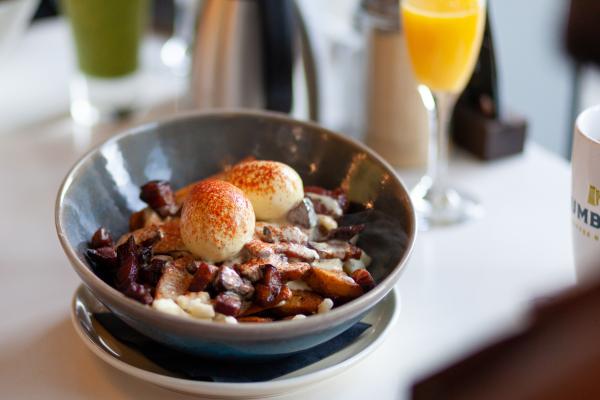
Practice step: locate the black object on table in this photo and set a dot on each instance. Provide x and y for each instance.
(479, 123)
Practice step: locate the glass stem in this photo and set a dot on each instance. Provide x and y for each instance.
(186, 12)
(440, 108)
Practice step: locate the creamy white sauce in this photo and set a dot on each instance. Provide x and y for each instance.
(330, 264)
(330, 203)
(326, 222)
(352, 265)
(325, 306)
(365, 258)
(228, 319)
(168, 306)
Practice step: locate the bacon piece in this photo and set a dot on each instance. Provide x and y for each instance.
(101, 238)
(364, 279)
(104, 258)
(228, 303)
(151, 272)
(303, 214)
(336, 249)
(267, 291)
(204, 276)
(228, 280)
(127, 273)
(145, 252)
(251, 268)
(104, 262)
(345, 232)
(159, 196)
(257, 253)
(127, 257)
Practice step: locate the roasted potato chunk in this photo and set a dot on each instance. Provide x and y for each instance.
(302, 302)
(150, 233)
(293, 271)
(333, 284)
(175, 280)
(254, 319)
(170, 238)
(284, 295)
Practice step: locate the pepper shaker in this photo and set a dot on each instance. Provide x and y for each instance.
(396, 120)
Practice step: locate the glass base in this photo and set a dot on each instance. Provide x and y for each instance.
(442, 206)
(95, 100)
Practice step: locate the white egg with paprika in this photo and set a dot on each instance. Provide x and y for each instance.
(273, 188)
(217, 220)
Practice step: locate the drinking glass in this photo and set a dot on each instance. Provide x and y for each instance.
(443, 39)
(107, 36)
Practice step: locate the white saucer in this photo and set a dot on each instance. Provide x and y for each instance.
(124, 358)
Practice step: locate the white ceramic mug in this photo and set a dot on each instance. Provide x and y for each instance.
(585, 193)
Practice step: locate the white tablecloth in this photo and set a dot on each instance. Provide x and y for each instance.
(463, 286)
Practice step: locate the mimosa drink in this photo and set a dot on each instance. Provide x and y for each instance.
(443, 40)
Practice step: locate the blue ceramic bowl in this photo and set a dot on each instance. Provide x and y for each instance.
(102, 189)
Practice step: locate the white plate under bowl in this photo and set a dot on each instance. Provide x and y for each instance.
(126, 359)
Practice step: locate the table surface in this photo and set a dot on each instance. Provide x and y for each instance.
(463, 286)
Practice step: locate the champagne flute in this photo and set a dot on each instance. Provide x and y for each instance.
(443, 40)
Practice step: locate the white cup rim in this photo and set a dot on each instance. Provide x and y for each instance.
(580, 120)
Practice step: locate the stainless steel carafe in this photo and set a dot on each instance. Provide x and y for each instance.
(253, 54)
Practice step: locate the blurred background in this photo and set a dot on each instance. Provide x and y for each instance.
(536, 79)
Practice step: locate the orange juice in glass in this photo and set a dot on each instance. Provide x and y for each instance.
(443, 39)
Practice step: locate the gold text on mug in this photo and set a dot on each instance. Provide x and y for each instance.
(593, 196)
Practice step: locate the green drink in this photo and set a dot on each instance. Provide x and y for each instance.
(107, 35)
